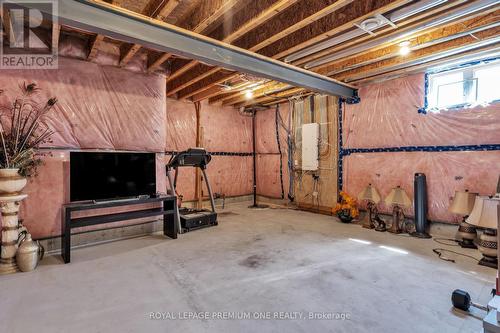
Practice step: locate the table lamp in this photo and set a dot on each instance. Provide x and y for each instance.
(398, 199)
(372, 198)
(485, 215)
(462, 204)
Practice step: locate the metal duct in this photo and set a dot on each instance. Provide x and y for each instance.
(396, 16)
(432, 57)
(436, 65)
(441, 19)
(416, 47)
(416, 8)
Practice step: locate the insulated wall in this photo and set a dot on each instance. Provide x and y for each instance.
(99, 107)
(225, 133)
(108, 108)
(387, 117)
(272, 171)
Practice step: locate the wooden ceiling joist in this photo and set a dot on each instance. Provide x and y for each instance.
(329, 26)
(331, 20)
(303, 95)
(206, 83)
(229, 37)
(252, 23)
(56, 32)
(190, 77)
(480, 39)
(417, 41)
(6, 22)
(272, 97)
(271, 86)
(131, 27)
(94, 44)
(234, 92)
(178, 72)
(321, 11)
(383, 31)
(206, 94)
(127, 52)
(302, 23)
(159, 11)
(158, 62)
(408, 32)
(208, 13)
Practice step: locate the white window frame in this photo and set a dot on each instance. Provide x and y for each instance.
(432, 94)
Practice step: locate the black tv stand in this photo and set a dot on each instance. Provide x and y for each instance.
(167, 210)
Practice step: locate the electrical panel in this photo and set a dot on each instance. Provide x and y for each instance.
(310, 141)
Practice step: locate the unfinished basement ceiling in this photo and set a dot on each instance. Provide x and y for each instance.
(352, 41)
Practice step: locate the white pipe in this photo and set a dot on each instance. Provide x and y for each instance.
(396, 16)
(416, 8)
(417, 47)
(429, 58)
(441, 19)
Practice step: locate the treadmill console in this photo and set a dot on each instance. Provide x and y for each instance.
(193, 157)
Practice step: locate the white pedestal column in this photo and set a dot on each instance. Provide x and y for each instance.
(10, 233)
(11, 184)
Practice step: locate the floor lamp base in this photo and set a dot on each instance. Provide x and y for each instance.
(467, 244)
(420, 235)
(489, 262)
(258, 206)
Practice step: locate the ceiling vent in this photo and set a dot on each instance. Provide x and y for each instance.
(373, 23)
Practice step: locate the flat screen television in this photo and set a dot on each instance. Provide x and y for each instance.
(111, 175)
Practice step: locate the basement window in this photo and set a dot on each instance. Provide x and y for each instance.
(464, 87)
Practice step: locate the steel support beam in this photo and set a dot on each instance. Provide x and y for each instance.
(102, 18)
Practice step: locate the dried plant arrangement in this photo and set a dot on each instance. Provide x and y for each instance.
(22, 130)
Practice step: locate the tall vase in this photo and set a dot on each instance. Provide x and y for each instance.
(11, 185)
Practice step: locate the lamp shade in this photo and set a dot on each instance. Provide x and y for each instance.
(398, 197)
(463, 202)
(485, 213)
(369, 193)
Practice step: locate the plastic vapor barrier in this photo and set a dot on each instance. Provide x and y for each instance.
(223, 130)
(387, 117)
(108, 108)
(268, 155)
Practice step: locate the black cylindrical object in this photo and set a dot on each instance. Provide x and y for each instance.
(461, 299)
(420, 204)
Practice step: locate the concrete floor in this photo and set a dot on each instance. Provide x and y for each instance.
(256, 263)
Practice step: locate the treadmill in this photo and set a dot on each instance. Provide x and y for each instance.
(189, 218)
